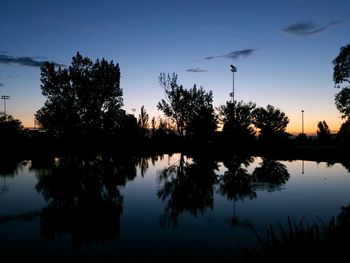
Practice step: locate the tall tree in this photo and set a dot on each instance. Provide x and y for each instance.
(271, 122)
(323, 131)
(201, 120)
(191, 110)
(237, 119)
(85, 97)
(341, 75)
(142, 121)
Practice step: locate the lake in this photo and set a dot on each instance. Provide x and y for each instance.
(167, 207)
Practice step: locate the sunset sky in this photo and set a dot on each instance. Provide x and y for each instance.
(283, 50)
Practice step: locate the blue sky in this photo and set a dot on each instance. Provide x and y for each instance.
(283, 50)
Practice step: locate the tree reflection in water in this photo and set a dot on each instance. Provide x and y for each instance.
(9, 167)
(84, 199)
(270, 175)
(235, 183)
(187, 186)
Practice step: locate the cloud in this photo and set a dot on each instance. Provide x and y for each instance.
(1, 84)
(196, 70)
(209, 58)
(22, 61)
(239, 53)
(234, 55)
(306, 28)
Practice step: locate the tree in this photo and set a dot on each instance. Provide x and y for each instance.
(271, 122)
(343, 134)
(342, 102)
(237, 119)
(341, 74)
(10, 127)
(202, 120)
(83, 98)
(173, 107)
(142, 121)
(191, 110)
(323, 131)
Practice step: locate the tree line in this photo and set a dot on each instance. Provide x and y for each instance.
(86, 100)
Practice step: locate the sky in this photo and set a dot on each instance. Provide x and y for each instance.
(283, 50)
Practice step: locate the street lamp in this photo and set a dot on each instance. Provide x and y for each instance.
(302, 121)
(5, 97)
(233, 70)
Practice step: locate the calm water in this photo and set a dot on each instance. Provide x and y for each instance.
(165, 207)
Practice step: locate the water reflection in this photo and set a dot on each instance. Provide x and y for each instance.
(187, 186)
(235, 183)
(9, 167)
(83, 197)
(204, 196)
(270, 175)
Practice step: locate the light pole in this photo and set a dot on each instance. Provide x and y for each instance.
(5, 97)
(302, 121)
(233, 70)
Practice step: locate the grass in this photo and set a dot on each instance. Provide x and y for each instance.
(296, 241)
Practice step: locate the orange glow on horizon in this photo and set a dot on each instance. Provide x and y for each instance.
(294, 127)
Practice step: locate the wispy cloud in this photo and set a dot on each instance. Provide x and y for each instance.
(234, 55)
(196, 70)
(22, 61)
(306, 28)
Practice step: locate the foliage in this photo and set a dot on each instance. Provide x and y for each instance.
(271, 122)
(343, 134)
(237, 119)
(191, 110)
(85, 97)
(9, 126)
(202, 119)
(323, 131)
(341, 70)
(173, 107)
(142, 121)
(341, 73)
(342, 102)
(324, 242)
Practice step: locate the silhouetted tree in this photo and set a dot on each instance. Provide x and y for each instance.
(271, 122)
(10, 127)
(341, 74)
(343, 134)
(202, 120)
(173, 105)
(191, 110)
(85, 97)
(323, 132)
(142, 121)
(237, 119)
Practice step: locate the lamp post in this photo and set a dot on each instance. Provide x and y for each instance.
(302, 122)
(233, 70)
(5, 97)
